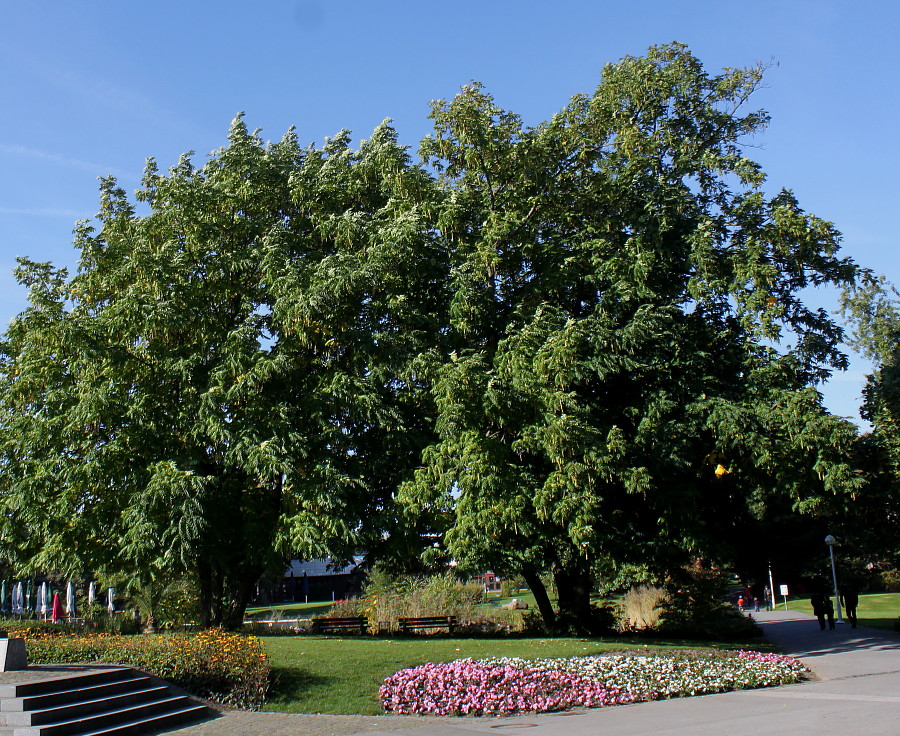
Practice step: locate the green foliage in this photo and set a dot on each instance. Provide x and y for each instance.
(630, 340)
(696, 607)
(387, 598)
(229, 376)
(540, 351)
(890, 581)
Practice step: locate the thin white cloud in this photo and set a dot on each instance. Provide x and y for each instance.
(104, 94)
(55, 158)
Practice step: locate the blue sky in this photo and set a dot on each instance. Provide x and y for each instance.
(94, 88)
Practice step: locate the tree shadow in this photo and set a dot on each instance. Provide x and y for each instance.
(292, 684)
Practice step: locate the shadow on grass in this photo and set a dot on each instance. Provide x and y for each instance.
(885, 624)
(292, 685)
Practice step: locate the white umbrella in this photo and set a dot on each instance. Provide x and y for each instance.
(42, 599)
(18, 599)
(70, 599)
(92, 593)
(110, 600)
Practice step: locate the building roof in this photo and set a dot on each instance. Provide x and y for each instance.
(321, 567)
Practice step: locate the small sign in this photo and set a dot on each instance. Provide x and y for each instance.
(784, 590)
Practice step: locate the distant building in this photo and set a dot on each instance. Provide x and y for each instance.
(489, 581)
(319, 580)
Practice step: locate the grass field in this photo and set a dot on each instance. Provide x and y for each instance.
(319, 674)
(878, 610)
(290, 610)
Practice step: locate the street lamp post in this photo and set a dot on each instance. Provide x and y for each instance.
(829, 540)
(771, 587)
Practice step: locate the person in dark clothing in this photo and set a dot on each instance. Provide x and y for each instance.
(817, 602)
(850, 600)
(829, 611)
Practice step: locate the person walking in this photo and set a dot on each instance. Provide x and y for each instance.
(829, 611)
(817, 602)
(850, 600)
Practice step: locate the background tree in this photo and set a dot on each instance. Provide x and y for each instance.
(228, 378)
(633, 368)
(869, 524)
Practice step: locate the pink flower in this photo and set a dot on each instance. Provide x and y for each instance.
(466, 687)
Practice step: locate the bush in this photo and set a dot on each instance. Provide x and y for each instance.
(348, 608)
(890, 581)
(640, 608)
(220, 666)
(386, 599)
(696, 608)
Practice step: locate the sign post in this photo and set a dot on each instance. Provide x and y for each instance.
(784, 593)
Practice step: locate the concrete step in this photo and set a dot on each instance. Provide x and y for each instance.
(82, 692)
(76, 708)
(117, 700)
(160, 722)
(139, 718)
(67, 682)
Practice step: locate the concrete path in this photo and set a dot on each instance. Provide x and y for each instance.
(857, 693)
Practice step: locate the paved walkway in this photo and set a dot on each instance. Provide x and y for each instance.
(857, 693)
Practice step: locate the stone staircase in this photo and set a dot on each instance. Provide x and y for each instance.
(108, 701)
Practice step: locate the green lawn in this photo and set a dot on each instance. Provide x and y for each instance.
(328, 674)
(878, 610)
(290, 610)
(324, 674)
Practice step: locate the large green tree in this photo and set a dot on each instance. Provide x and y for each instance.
(633, 368)
(228, 378)
(570, 347)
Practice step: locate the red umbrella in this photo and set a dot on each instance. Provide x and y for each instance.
(56, 610)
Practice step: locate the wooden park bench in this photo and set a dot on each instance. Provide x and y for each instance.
(407, 625)
(350, 625)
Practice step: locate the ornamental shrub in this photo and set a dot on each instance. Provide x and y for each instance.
(890, 581)
(388, 598)
(640, 608)
(220, 666)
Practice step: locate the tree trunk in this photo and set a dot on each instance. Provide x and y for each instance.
(573, 588)
(541, 599)
(233, 618)
(204, 581)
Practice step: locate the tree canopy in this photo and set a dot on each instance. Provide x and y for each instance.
(621, 387)
(227, 378)
(560, 348)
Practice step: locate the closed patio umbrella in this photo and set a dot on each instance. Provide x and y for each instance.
(70, 600)
(92, 593)
(56, 609)
(28, 596)
(41, 599)
(3, 608)
(110, 600)
(18, 599)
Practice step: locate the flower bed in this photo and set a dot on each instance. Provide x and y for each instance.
(467, 687)
(223, 667)
(512, 685)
